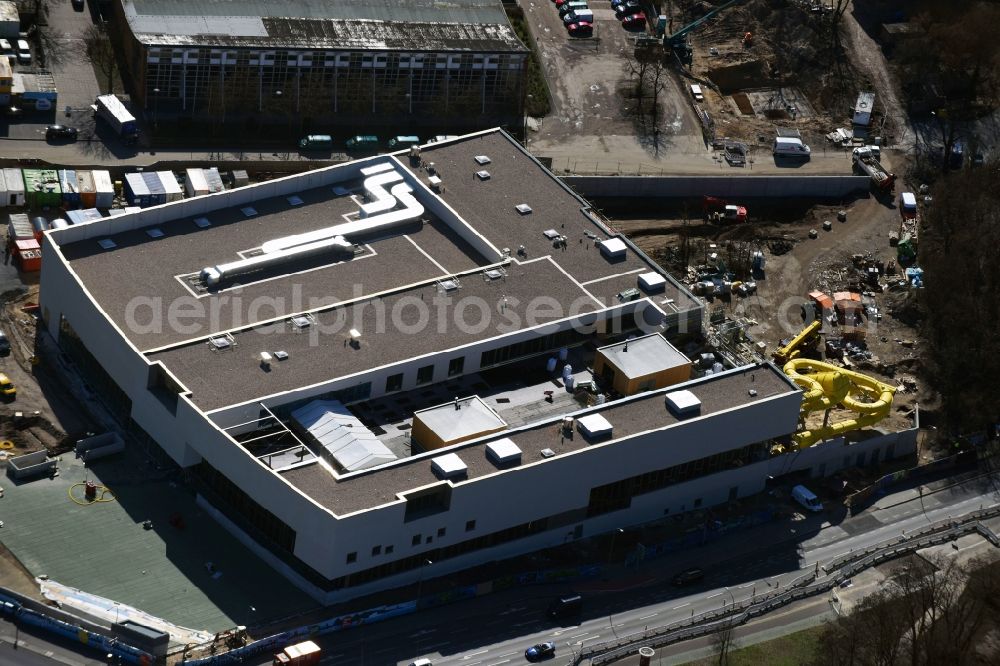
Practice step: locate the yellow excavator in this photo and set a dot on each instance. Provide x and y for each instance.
(827, 386)
(794, 347)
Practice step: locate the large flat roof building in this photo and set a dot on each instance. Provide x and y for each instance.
(284, 341)
(314, 64)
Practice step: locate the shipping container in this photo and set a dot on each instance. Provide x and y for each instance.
(41, 188)
(104, 188)
(136, 191)
(85, 186)
(157, 193)
(194, 182)
(13, 187)
(28, 255)
(171, 187)
(70, 188)
(83, 216)
(19, 228)
(214, 180)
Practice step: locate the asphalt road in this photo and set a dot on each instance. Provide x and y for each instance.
(496, 629)
(36, 648)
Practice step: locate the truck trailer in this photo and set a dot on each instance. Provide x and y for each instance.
(305, 653)
(110, 109)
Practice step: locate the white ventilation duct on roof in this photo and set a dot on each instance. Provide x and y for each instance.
(300, 246)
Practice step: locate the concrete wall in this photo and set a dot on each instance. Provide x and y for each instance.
(832, 187)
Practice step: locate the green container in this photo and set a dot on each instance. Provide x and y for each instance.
(41, 188)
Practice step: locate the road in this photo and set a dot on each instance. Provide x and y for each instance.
(496, 629)
(34, 649)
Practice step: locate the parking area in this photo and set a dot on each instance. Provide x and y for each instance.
(62, 38)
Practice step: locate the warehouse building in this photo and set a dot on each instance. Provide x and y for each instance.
(387, 368)
(311, 64)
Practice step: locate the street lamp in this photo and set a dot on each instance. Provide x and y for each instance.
(156, 108)
(420, 578)
(731, 597)
(611, 550)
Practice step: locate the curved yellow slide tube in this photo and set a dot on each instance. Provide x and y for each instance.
(827, 386)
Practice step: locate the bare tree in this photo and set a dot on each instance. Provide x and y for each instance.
(101, 54)
(724, 641)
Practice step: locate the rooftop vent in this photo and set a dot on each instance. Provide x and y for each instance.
(451, 284)
(551, 234)
(155, 232)
(594, 426)
(503, 452)
(295, 200)
(202, 222)
(523, 209)
(683, 403)
(107, 244)
(547, 453)
(494, 274)
(482, 160)
(302, 321)
(414, 151)
(221, 342)
(483, 175)
(249, 211)
(435, 183)
(449, 466)
(281, 355)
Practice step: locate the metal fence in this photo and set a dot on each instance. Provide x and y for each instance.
(836, 572)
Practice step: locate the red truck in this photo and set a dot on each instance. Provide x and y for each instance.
(305, 653)
(721, 211)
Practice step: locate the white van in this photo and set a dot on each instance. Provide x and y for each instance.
(789, 147)
(806, 498)
(422, 662)
(579, 16)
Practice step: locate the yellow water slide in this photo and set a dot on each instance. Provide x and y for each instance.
(827, 386)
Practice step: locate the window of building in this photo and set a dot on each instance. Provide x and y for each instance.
(441, 532)
(697, 502)
(416, 540)
(455, 366)
(389, 549)
(733, 493)
(470, 525)
(376, 550)
(352, 558)
(425, 374)
(429, 539)
(394, 383)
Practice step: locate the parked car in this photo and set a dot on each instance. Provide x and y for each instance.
(572, 5)
(689, 577)
(579, 16)
(23, 52)
(78, 5)
(316, 142)
(4, 344)
(627, 7)
(582, 29)
(697, 93)
(541, 651)
(60, 132)
(635, 21)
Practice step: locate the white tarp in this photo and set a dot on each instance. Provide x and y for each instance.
(352, 446)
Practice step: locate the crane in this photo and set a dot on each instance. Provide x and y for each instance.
(678, 40)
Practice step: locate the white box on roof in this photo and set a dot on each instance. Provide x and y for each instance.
(613, 248)
(652, 281)
(448, 466)
(683, 403)
(594, 426)
(503, 452)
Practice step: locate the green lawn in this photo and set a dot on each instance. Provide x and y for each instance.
(791, 650)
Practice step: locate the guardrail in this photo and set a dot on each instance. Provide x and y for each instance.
(806, 585)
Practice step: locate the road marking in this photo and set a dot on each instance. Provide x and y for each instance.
(578, 635)
(681, 606)
(423, 632)
(512, 610)
(747, 585)
(473, 654)
(712, 596)
(497, 663)
(523, 624)
(646, 617)
(506, 654)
